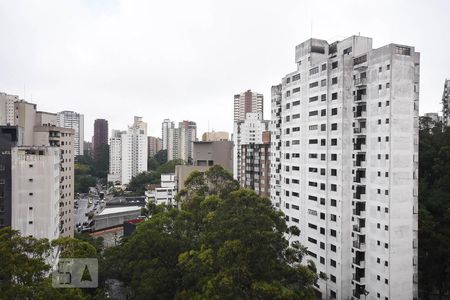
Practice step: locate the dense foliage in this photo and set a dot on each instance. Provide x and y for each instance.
(434, 209)
(24, 269)
(223, 243)
(89, 169)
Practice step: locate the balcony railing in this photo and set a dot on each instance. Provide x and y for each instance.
(360, 81)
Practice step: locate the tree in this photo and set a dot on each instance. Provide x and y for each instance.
(24, 269)
(434, 209)
(83, 183)
(223, 243)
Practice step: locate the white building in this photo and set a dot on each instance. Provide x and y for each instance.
(35, 191)
(181, 141)
(168, 190)
(128, 152)
(115, 156)
(247, 102)
(246, 132)
(446, 103)
(7, 108)
(166, 126)
(40, 129)
(347, 162)
(75, 121)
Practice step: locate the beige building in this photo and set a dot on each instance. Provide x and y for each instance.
(214, 153)
(39, 129)
(247, 102)
(215, 136)
(154, 145)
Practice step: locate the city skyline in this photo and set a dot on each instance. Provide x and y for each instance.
(80, 62)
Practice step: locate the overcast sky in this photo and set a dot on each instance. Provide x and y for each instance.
(184, 60)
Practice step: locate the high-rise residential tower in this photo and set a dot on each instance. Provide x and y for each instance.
(446, 103)
(246, 132)
(37, 174)
(75, 121)
(180, 141)
(247, 102)
(154, 145)
(7, 108)
(165, 128)
(115, 156)
(346, 164)
(128, 152)
(100, 134)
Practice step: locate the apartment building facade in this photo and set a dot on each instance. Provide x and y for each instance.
(154, 145)
(75, 121)
(246, 132)
(255, 166)
(180, 141)
(115, 156)
(446, 103)
(100, 134)
(7, 108)
(344, 165)
(247, 102)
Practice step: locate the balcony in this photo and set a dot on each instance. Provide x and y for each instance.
(359, 245)
(359, 131)
(359, 263)
(359, 278)
(360, 98)
(360, 82)
(361, 230)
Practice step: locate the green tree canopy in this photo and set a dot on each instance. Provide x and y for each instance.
(223, 243)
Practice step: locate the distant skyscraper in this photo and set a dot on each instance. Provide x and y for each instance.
(100, 133)
(165, 128)
(345, 153)
(128, 152)
(7, 108)
(255, 166)
(246, 132)
(247, 102)
(446, 103)
(154, 145)
(180, 141)
(75, 121)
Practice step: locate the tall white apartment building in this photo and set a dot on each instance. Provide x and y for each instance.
(35, 191)
(181, 141)
(247, 102)
(347, 156)
(248, 131)
(446, 103)
(134, 151)
(40, 129)
(75, 121)
(7, 108)
(165, 128)
(115, 156)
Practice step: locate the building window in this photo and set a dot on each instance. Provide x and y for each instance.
(296, 77)
(334, 126)
(313, 99)
(379, 87)
(388, 85)
(314, 71)
(333, 263)
(313, 84)
(334, 111)
(403, 50)
(334, 80)
(313, 113)
(324, 67)
(333, 172)
(334, 96)
(323, 97)
(333, 142)
(333, 202)
(334, 65)
(296, 90)
(333, 247)
(333, 157)
(333, 232)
